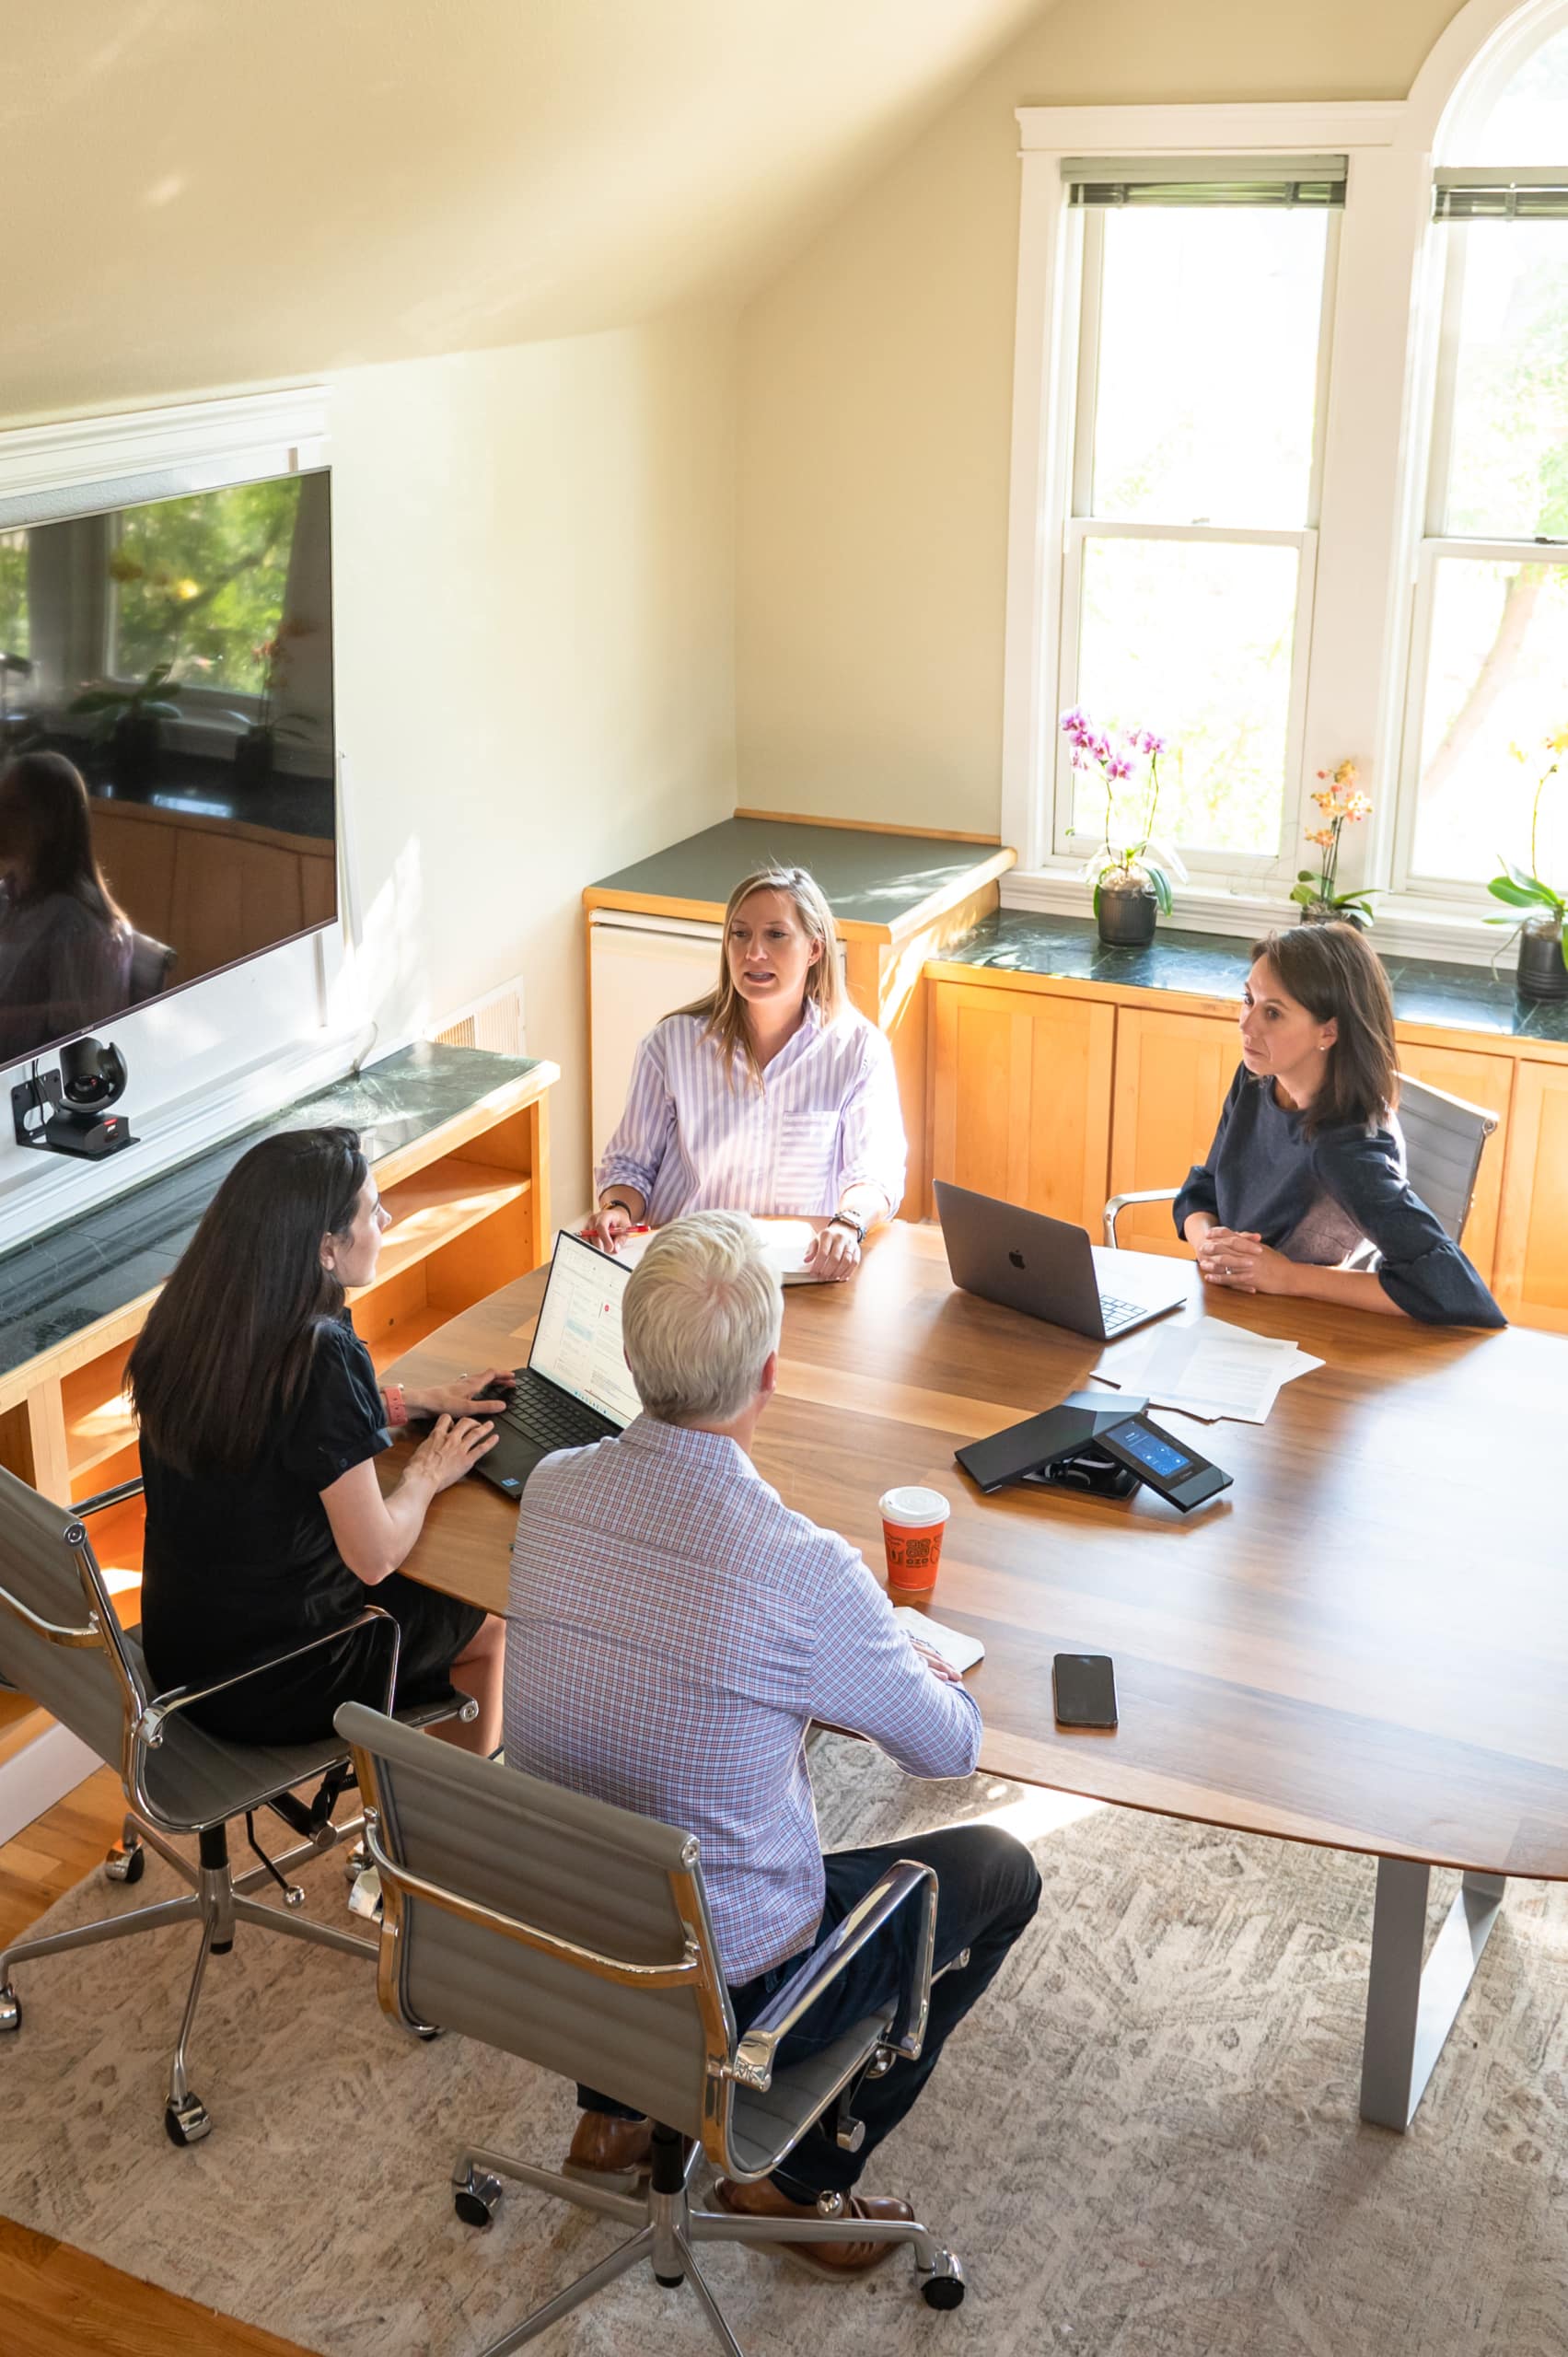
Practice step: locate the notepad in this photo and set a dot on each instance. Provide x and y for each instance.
(958, 1651)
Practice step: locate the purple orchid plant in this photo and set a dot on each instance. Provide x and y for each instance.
(1125, 861)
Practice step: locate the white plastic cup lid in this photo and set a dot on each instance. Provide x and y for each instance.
(913, 1509)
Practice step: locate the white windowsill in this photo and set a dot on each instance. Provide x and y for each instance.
(1406, 927)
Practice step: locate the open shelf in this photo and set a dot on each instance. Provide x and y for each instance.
(436, 1205)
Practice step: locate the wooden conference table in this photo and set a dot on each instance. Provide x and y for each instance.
(1363, 1643)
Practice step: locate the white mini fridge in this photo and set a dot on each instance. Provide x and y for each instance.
(641, 969)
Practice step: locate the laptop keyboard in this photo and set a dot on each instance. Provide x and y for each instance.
(1117, 1313)
(551, 1418)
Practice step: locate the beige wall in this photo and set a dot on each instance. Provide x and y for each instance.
(534, 659)
(875, 385)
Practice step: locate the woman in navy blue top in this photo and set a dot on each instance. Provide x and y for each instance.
(1306, 1177)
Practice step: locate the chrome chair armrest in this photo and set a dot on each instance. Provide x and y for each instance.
(117, 1496)
(153, 1721)
(756, 2051)
(1138, 1195)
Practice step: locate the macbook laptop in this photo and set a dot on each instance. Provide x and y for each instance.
(1048, 1267)
(576, 1386)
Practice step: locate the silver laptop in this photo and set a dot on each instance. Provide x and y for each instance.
(1046, 1267)
(576, 1386)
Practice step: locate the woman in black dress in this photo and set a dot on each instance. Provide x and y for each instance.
(260, 1419)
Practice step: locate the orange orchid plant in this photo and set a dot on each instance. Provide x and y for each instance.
(1341, 800)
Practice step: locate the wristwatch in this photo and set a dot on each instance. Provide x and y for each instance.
(848, 1219)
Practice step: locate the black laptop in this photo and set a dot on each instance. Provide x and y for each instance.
(576, 1386)
(1050, 1268)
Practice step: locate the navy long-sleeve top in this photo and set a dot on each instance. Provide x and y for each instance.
(1323, 1199)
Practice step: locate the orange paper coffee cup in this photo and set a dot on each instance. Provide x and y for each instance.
(912, 1524)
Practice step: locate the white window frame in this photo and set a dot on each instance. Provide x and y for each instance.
(1360, 612)
(1084, 230)
(1434, 544)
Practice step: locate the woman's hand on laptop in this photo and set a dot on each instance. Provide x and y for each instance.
(470, 1395)
(453, 1449)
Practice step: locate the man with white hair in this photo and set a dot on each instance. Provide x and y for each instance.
(673, 1631)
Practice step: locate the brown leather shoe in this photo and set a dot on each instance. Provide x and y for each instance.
(835, 2262)
(610, 2152)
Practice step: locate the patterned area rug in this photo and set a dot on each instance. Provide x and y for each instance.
(1144, 2144)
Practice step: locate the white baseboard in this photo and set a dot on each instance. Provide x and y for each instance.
(52, 1765)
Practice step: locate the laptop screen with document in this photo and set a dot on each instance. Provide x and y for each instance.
(577, 1342)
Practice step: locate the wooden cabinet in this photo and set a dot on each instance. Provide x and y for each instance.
(214, 890)
(1021, 1097)
(1486, 1080)
(1531, 1266)
(1172, 1072)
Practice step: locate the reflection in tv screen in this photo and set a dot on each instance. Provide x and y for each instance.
(167, 755)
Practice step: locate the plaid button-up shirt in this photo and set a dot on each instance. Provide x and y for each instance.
(673, 1629)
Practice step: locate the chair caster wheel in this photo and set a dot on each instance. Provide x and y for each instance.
(426, 2031)
(476, 2198)
(943, 2287)
(185, 2120)
(126, 1863)
(10, 2010)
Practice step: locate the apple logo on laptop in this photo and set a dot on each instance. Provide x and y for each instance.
(1017, 1259)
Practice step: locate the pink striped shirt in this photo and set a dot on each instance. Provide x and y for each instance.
(826, 1118)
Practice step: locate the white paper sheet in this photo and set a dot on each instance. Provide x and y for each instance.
(1209, 1369)
(958, 1649)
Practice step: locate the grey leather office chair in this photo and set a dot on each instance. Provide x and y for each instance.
(1444, 1138)
(60, 1641)
(576, 1935)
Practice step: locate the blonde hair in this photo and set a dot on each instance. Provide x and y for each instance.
(723, 1010)
(702, 1313)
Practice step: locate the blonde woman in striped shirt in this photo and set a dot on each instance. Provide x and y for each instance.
(773, 1095)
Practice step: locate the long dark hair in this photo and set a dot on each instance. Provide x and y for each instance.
(226, 1352)
(1332, 972)
(45, 823)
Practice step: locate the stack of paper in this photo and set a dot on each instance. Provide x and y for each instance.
(1207, 1369)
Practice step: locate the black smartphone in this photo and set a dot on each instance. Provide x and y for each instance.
(1084, 1685)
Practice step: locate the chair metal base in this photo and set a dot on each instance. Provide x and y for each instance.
(667, 2229)
(219, 1900)
(1411, 2007)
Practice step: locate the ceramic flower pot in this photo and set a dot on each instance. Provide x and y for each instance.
(1542, 973)
(253, 759)
(1126, 916)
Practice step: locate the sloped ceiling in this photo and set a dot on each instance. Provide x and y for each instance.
(209, 192)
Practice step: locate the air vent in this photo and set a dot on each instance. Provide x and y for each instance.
(493, 1022)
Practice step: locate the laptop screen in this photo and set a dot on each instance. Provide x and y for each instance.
(577, 1341)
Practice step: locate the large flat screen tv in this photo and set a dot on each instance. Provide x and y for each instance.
(175, 656)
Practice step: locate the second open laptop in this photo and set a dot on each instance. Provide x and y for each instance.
(1046, 1267)
(576, 1386)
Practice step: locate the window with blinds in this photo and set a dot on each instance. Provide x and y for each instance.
(1489, 644)
(1196, 453)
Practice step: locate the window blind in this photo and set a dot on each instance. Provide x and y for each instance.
(1498, 193)
(1275, 181)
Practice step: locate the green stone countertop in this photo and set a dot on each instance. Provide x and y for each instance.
(869, 878)
(1212, 965)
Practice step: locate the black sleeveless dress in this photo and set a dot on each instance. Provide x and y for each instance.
(237, 1568)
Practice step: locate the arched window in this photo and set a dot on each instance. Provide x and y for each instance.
(1488, 651)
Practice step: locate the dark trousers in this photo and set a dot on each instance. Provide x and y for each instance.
(987, 1893)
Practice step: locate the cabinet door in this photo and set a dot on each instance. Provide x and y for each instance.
(1021, 1098)
(1531, 1269)
(1484, 1080)
(136, 853)
(1172, 1072)
(231, 897)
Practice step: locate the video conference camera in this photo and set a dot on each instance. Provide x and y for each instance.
(74, 1102)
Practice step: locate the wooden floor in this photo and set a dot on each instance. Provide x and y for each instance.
(56, 2302)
